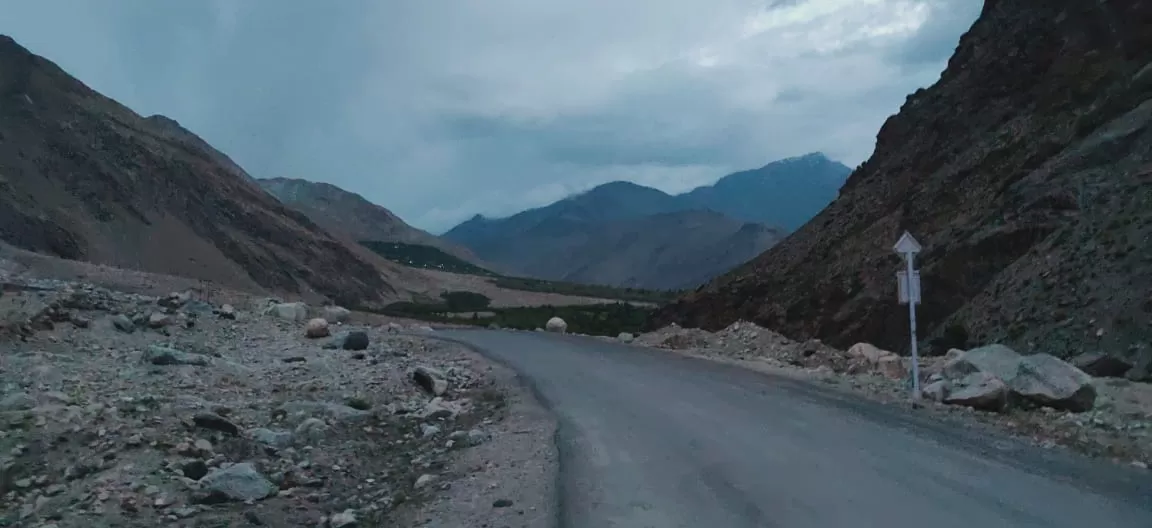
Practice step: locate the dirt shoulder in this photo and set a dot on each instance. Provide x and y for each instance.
(1117, 428)
(128, 409)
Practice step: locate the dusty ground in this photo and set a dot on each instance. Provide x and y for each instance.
(256, 425)
(1118, 428)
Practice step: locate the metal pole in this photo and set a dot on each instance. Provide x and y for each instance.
(912, 325)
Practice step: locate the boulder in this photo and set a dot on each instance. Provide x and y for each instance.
(357, 340)
(316, 328)
(238, 482)
(891, 366)
(123, 323)
(227, 312)
(997, 360)
(1102, 365)
(295, 312)
(1040, 379)
(159, 320)
(430, 379)
(868, 352)
(272, 438)
(1045, 380)
(337, 314)
(979, 390)
(557, 325)
(936, 391)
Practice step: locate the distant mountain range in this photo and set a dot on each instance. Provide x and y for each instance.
(624, 234)
(342, 211)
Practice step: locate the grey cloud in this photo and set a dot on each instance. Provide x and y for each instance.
(439, 113)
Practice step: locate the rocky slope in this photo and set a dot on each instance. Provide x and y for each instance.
(336, 209)
(1025, 171)
(190, 413)
(641, 237)
(83, 177)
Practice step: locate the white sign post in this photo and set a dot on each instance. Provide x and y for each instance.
(908, 286)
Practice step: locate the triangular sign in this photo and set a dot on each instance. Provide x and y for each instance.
(907, 244)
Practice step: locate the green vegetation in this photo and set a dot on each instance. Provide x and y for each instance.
(587, 290)
(593, 319)
(424, 257)
(428, 257)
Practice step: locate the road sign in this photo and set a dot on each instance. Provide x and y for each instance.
(908, 291)
(908, 286)
(907, 244)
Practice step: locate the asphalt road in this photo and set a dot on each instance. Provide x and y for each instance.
(651, 439)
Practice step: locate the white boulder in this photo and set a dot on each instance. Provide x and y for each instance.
(557, 325)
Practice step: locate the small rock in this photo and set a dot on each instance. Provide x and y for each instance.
(216, 422)
(312, 429)
(295, 312)
(358, 403)
(431, 380)
(80, 321)
(159, 355)
(356, 341)
(227, 312)
(238, 482)
(345, 519)
(424, 480)
(427, 430)
(337, 314)
(274, 439)
(501, 503)
(316, 328)
(159, 320)
(1102, 365)
(194, 469)
(626, 337)
(122, 323)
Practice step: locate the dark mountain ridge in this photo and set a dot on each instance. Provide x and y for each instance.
(1025, 171)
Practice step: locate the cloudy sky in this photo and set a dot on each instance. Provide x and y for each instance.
(440, 110)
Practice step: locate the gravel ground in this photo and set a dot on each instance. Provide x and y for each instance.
(1118, 428)
(127, 409)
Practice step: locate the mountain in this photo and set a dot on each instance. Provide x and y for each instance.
(1025, 172)
(555, 241)
(338, 210)
(85, 178)
(784, 193)
(682, 249)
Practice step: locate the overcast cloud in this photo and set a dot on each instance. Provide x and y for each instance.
(440, 110)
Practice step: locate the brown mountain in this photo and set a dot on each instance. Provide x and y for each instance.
(85, 178)
(1024, 171)
(339, 210)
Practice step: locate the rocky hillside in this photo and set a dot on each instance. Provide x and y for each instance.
(1025, 171)
(336, 209)
(83, 177)
(624, 234)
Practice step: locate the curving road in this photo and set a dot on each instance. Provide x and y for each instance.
(651, 439)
